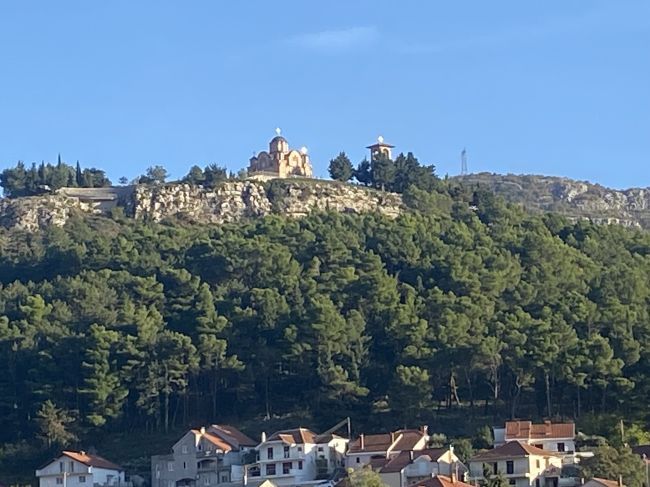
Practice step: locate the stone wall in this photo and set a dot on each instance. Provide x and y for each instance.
(231, 201)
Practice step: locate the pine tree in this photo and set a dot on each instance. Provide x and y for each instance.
(341, 168)
(79, 178)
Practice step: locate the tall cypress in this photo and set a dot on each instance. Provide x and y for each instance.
(79, 176)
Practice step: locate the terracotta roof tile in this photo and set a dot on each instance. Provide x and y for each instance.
(294, 436)
(403, 440)
(512, 449)
(231, 435)
(398, 463)
(517, 430)
(91, 460)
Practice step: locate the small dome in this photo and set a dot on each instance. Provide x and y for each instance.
(278, 144)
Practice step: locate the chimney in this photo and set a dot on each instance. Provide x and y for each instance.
(363, 443)
(392, 437)
(411, 455)
(202, 430)
(424, 429)
(453, 477)
(263, 436)
(620, 481)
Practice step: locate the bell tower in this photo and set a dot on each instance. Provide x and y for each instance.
(380, 148)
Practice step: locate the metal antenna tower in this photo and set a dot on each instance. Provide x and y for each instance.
(463, 163)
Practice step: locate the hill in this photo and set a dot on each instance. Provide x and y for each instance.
(111, 324)
(573, 199)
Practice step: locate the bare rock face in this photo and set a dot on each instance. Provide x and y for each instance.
(574, 199)
(229, 202)
(38, 212)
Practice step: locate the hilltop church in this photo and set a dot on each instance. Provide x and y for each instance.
(280, 161)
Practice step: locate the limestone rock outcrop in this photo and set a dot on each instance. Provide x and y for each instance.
(228, 202)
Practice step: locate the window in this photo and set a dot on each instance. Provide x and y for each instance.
(300, 449)
(61, 467)
(270, 469)
(184, 449)
(300, 465)
(560, 447)
(512, 482)
(184, 465)
(320, 448)
(495, 468)
(537, 483)
(538, 464)
(510, 467)
(206, 481)
(539, 445)
(358, 460)
(59, 481)
(82, 479)
(286, 468)
(170, 466)
(286, 452)
(71, 466)
(269, 453)
(224, 478)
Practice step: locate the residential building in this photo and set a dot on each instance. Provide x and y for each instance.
(523, 465)
(385, 445)
(556, 437)
(80, 469)
(203, 457)
(410, 467)
(298, 457)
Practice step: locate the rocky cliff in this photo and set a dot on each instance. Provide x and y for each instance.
(574, 199)
(231, 201)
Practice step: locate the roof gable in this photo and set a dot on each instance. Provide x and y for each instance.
(91, 460)
(530, 431)
(297, 436)
(512, 449)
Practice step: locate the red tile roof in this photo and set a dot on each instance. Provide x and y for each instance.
(441, 481)
(294, 436)
(215, 440)
(91, 460)
(512, 449)
(517, 430)
(398, 463)
(231, 435)
(402, 440)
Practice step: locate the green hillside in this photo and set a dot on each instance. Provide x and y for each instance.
(459, 311)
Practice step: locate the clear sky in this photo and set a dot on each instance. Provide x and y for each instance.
(558, 87)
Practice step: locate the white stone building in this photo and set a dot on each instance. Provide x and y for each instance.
(521, 464)
(385, 445)
(298, 457)
(80, 469)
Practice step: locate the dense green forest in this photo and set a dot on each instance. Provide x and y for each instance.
(462, 303)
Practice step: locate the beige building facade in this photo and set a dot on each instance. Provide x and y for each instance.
(280, 162)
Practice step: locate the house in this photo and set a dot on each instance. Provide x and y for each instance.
(80, 469)
(523, 465)
(596, 482)
(203, 457)
(385, 445)
(298, 457)
(410, 467)
(442, 481)
(556, 437)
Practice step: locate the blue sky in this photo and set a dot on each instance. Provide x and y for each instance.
(554, 87)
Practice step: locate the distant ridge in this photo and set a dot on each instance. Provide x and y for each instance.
(568, 197)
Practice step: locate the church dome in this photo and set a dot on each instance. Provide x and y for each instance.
(278, 144)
